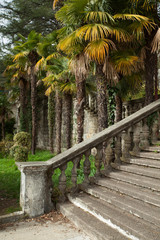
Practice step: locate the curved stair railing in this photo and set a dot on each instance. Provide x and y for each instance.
(113, 145)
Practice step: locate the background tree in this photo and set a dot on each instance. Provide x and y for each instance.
(20, 16)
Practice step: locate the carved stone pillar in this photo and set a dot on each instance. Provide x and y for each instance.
(74, 174)
(35, 191)
(136, 138)
(62, 184)
(87, 167)
(154, 136)
(118, 149)
(126, 147)
(98, 160)
(108, 156)
(145, 135)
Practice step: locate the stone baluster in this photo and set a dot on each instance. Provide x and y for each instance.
(118, 149)
(62, 184)
(158, 124)
(126, 146)
(108, 156)
(74, 173)
(98, 159)
(145, 135)
(136, 138)
(87, 167)
(123, 111)
(87, 101)
(154, 136)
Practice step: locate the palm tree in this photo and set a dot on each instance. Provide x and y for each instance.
(128, 67)
(62, 82)
(94, 38)
(149, 9)
(17, 74)
(28, 47)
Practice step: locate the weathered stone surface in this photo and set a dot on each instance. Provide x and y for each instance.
(35, 193)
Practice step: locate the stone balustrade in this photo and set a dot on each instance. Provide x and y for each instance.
(113, 145)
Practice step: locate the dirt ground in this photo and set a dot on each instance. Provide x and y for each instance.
(47, 227)
(6, 202)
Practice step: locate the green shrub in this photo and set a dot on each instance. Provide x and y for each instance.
(2, 148)
(21, 147)
(8, 146)
(23, 139)
(9, 137)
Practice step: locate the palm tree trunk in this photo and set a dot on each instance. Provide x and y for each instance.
(149, 68)
(51, 120)
(68, 118)
(101, 98)
(156, 77)
(118, 108)
(58, 121)
(33, 103)
(23, 105)
(80, 84)
(3, 125)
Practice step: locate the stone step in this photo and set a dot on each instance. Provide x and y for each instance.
(139, 170)
(145, 162)
(138, 180)
(154, 148)
(95, 228)
(131, 190)
(129, 225)
(148, 155)
(128, 204)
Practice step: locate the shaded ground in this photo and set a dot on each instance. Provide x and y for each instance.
(8, 204)
(47, 227)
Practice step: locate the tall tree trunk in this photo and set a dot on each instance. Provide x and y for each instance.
(149, 68)
(101, 98)
(118, 108)
(80, 84)
(58, 121)
(3, 124)
(51, 119)
(68, 118)
(33, 103)
(23, 104)
(156, 77)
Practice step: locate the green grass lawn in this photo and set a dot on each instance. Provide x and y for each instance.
(10, 175)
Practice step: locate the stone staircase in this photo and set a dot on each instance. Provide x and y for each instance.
(123, 205)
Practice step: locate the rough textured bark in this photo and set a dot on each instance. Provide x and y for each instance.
(51, 119)
(80, 83)
(101, 99)
(3, 124)
(68, 118)
(33, 103)
(156, 77)
(33, 56)
(118, 108)
(23, 104)
(149, 68)
(58, 121)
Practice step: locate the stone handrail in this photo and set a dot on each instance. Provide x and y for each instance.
(36, 177)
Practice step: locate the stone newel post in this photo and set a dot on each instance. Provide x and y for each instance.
(35, 191)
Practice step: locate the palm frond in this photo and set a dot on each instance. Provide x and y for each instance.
(40, 65)
(99, 49)
(97, 16)
(20, 55)
(133, 17)
(53, 56)
(126, 62)
(49, 90)
(156, 42)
